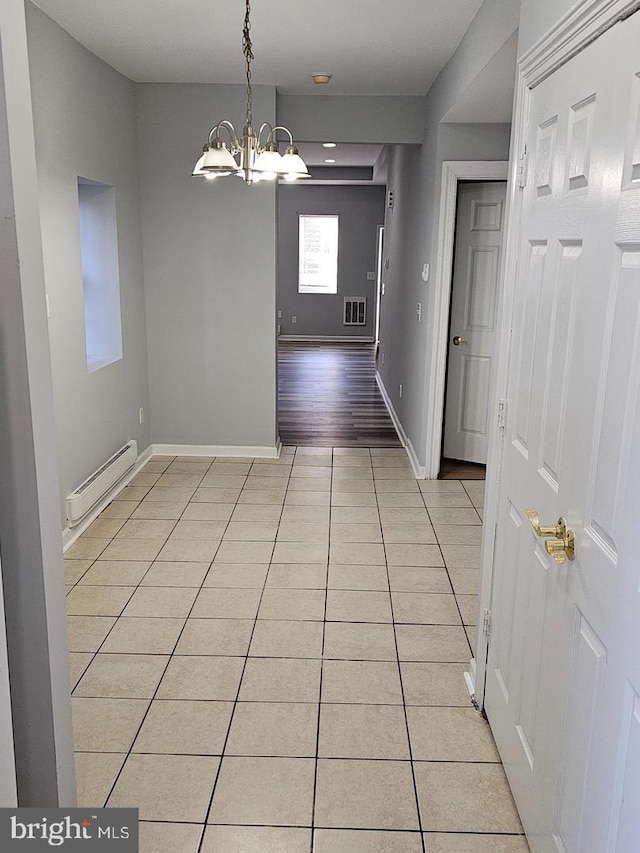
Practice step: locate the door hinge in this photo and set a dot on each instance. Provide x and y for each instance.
(523, 165)
(502, 417)
(486, 622)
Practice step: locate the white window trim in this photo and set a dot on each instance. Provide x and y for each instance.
(304, 289)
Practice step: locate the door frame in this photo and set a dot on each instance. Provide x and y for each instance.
(453, 171)
(379, 270)
(8, 786)
(469, 186)
(571, 34)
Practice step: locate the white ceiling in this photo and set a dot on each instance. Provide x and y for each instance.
(369, 46)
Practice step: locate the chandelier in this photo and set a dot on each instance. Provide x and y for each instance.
(255, 157)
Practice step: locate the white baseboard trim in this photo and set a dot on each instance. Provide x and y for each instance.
(470, 681)
(231, 450)
(356, 339)
(70, 534)
(419, 470)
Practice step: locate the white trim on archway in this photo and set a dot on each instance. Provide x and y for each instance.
(452, 172)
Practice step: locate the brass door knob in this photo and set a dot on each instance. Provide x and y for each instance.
(458, 340)
(561, 542)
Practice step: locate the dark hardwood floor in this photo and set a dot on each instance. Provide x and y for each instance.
(455, 469)
(327, 395)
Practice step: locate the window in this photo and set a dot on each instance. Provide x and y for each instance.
(100, 273)
(318, 254)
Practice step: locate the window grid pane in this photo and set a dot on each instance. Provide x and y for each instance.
(318, 254)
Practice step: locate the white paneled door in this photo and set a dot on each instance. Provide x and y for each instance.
(476, 270)
(563, 674)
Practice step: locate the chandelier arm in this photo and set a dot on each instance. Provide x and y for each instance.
(270, 135)
(286, 130)
(214, 133)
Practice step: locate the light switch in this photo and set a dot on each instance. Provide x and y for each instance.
(425, 272)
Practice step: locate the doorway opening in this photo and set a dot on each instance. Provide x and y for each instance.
(454, 172)
(478, 238)
(328, 314)
(328, 396)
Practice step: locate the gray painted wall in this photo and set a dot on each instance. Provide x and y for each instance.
(32, 566)
(411, 227)
(210, 258)
(538, 17)
(85, 125)
(353, 118)
(361, 210)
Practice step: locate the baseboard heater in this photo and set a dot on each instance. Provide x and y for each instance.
(98, 484)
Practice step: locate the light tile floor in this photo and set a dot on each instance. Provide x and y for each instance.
(268, 657)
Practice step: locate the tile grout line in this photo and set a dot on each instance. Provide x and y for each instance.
(244, 666)
(502, 834)
(136, 587)
(172, 653)
(246, 656)
(169, 659)
(404, 704)
(133, 539)
(473, 503)
(77, 583)
(446, 567)
(324, 630)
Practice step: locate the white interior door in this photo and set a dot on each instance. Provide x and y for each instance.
(563, 673)
(476, 270)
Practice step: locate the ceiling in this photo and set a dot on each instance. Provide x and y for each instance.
(345, 154)
(369, 46)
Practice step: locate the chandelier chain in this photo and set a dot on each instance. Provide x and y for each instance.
(247, 50)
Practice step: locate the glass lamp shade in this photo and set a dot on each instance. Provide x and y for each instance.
(199, 172)
(218, 159)
(269, 161)
(197, 169)
(292, 163)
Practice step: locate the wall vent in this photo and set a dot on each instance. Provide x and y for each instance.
(98, 484)
(355, 311)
